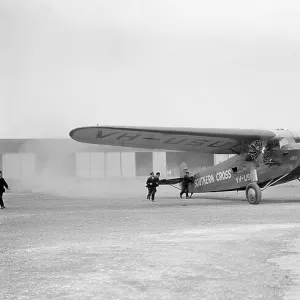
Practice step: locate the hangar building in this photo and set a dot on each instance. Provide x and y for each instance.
(22, 158)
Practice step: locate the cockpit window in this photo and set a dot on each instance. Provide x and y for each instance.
(285, 142)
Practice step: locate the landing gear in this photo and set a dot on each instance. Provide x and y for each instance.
(253, 193)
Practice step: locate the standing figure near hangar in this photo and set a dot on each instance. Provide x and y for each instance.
(3, 185)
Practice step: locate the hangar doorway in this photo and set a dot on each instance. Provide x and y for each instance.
(143, 163)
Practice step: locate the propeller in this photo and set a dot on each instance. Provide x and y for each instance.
(260, 152)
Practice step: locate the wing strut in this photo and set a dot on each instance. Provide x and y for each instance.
(174, 186)
(270, 183)
(235, 152)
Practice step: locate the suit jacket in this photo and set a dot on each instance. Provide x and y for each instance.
(2, 185)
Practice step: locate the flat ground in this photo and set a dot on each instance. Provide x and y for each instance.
(55, 247)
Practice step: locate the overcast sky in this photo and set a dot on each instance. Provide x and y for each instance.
(216, 63)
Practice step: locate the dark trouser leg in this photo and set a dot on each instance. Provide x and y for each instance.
(1, 200)
(186, 192)
(149, 193)
(182, 191)
(153, 193)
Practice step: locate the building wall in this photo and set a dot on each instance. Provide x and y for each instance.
(128, 169)
(195, 162)
(97, 165)
(160, 163)
(18, 165)
(96, 161)
(138, 164)
(111, 162)
(83, 169)
(143, 163)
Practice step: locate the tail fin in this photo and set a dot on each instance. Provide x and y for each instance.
(182, 169)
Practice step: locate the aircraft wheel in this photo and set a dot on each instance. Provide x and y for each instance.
(253, 193)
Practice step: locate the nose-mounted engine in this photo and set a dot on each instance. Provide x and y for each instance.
(260, 152)
(267, 152)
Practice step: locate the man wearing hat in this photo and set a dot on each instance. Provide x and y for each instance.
(3, 185)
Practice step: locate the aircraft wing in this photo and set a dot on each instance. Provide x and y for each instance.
(206, 140)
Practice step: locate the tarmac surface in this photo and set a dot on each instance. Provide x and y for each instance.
(218, 246)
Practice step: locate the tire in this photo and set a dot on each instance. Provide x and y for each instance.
(253, 193)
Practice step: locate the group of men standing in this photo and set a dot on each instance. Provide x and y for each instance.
(152, 184)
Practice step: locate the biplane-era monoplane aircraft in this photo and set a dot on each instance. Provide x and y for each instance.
(263, 157)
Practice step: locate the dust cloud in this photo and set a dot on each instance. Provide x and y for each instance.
(55, 174)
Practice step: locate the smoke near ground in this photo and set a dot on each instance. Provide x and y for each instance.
(55, 173)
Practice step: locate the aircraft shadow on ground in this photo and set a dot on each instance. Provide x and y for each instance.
(196, 200)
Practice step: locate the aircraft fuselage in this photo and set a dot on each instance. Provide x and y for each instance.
(234, 173)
